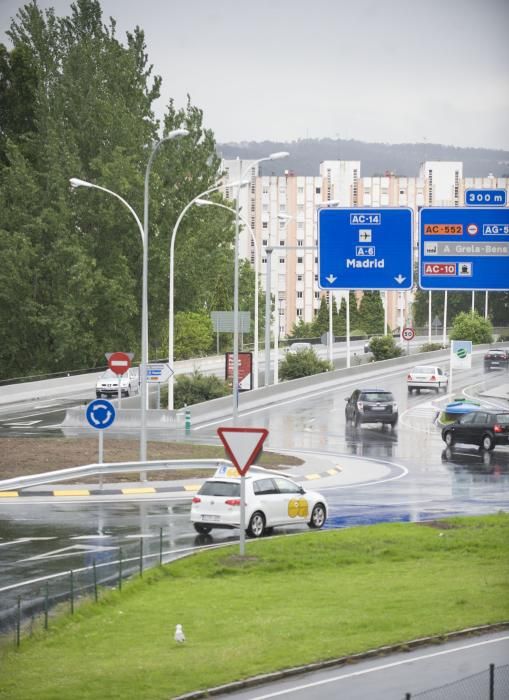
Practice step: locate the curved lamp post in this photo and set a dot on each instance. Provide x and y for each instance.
(273, 156)
(171, 311)
(207, 202)
(76, 182)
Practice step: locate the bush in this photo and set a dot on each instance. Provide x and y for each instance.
(302, 364)
(197, 387)
(469, 325)
(429, 347)
(383, 347)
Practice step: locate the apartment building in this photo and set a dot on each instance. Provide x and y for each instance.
(281, 212)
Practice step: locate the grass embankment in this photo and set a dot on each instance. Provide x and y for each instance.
(290, 601)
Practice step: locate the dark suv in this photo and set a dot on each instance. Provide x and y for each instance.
(496, 358)
(483, 428)
(371, 406)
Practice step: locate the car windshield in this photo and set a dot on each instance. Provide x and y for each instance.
(503, 418)
(109, 374)
(220, 488)
(424, 370)
(376, 396)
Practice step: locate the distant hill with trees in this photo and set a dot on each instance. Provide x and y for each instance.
(402, 159)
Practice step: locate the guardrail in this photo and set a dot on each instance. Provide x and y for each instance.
(23, 482)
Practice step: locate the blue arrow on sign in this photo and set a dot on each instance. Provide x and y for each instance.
(100, 414)
(365, 248)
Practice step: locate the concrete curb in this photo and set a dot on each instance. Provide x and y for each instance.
(342, 661)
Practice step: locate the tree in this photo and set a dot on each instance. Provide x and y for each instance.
(196, 388)
(384, 347)
(471, 326)
(339, 320)
(302, 364)
(302, 329)
(371, 313)
(321, 321)
(193, 334)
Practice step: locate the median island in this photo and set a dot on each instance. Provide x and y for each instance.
(289, 601)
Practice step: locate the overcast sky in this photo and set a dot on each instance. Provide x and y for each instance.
(396, 71)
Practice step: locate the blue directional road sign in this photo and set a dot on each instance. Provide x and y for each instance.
(100, 414)
(485, 198)
(365, 248)
(464, 248)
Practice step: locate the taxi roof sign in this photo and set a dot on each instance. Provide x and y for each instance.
(242, 445)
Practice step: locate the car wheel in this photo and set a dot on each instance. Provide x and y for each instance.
(98, 394)
(449, 439)
(394, 423)
(357, 420)
(418, 390)
(410, 390)
(317, 516)
(202, 529)
(487, 442)
(256, 526)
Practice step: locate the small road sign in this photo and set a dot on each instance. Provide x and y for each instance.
(365, 248)
(158, 372)
(408, 333)
(100, 414)
(242, 445)
(119, 362)
(485, 198)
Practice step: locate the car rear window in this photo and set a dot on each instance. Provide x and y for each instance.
(220, 488)
(424, 370)
(503, 418)
(376, 396)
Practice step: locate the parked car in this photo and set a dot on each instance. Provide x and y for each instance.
(271, 500)
(496, 358)
(371, 406)
(485, 428)
(107, 384)
(427, 377)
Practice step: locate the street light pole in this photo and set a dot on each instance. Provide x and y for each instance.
(171, 306)
(176, 133)
(76, 182)
(207, 202)
(272, 156)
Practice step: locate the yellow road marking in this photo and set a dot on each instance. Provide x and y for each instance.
(333, 471)
(140, 489)
(75, 492)
(192, 487)
(312, 476)
(8, 494)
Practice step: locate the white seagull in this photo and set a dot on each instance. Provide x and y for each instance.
(179, 634)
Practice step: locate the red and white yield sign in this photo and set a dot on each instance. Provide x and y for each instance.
(119, 362)
(242, 445)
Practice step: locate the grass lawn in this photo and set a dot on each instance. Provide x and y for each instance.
(289, 601)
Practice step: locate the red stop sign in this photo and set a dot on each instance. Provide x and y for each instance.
(119, 362)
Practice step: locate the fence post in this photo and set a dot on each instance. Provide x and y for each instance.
(160, 546)
(72, 590)
(18, 621)
(46, 605)
(95, 580)
(141, 556)
(492, 682)
(120, 568)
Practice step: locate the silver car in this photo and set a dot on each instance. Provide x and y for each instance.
(107, 384)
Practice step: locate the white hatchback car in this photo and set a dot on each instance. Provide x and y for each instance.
(107, 384)
(271, 500)
(427, 377)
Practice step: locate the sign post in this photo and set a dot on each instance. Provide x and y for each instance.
(119, 363)
(100, 415)
(242, 445)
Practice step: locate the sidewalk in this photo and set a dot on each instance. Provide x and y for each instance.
(497, 392)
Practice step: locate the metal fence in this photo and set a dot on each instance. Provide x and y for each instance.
(31, 606)
(492, 684)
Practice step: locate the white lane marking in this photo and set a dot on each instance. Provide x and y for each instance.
(22, 540)
(67, 552)
(382, 667)
(90, 537)
(22, 424)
